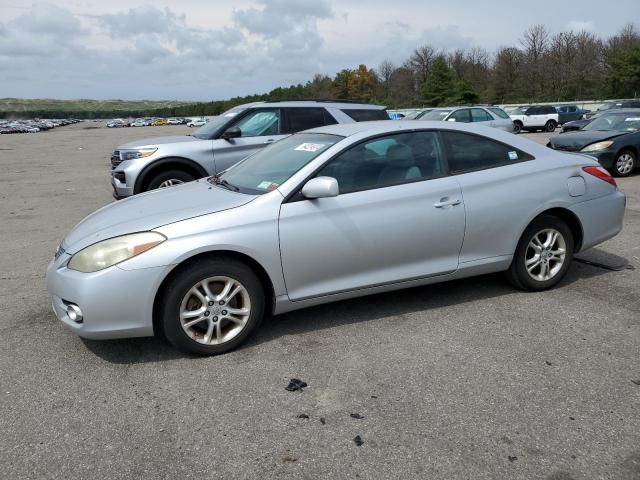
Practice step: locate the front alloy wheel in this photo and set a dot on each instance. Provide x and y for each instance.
(215, 310)
(625, 164)
(211, 306)
(170, 183)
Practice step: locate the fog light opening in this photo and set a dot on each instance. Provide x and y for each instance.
(74, 313)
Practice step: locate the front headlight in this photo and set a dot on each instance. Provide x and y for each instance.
(597, 146)
(137, 153)
(107, 253)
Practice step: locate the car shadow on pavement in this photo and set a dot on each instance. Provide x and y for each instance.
(363, 309)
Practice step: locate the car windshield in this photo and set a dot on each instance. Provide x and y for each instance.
(515, 111)
(414, 115)
(210, 128)
(499, 112)
(270, 167)
(617, 122)
(436, 115)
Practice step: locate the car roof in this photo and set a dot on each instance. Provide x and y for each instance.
(315, 103)
(381, 127)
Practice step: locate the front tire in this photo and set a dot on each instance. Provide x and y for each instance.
(169, 178)
(517, 127)
(212, 307)
(550, 126)
(625, 163)
(543, 255)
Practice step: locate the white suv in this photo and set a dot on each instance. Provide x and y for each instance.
(225, 140)
(536, 117)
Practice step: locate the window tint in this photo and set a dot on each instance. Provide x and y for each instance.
(499, 112)
(533, 111)
(299, 119)
(472, 152)
(365, 115)
(548, 110)
(385, 161)
(479, 115)
(461, 115)
(260, 122)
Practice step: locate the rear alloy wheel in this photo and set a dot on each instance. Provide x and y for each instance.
(625, 164)
(550, 126)
(169, 178)
(543, 254)
(212, 307)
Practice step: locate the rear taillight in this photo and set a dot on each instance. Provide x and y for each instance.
(601, 173)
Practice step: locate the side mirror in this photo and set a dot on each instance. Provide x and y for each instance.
(231, 132)
(451, 120)
(321, 187)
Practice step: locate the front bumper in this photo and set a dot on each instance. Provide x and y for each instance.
(115, 303)
(606, 157)
(120, 189)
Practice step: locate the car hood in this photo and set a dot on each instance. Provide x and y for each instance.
(580, 139)
(146, 142)
(151, 210)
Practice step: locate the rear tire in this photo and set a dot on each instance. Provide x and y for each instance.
(206, 321)
(543, 255)
(625, 163)
(168, 178)
(550, 126)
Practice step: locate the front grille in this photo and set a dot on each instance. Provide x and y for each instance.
(59, 251)
(115, 159)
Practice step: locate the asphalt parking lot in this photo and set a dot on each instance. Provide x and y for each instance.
(466, 379)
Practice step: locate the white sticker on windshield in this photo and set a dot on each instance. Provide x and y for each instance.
(267, 185)
(309, 147)
(513, 155)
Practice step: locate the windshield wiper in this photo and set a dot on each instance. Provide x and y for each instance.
(229, 186)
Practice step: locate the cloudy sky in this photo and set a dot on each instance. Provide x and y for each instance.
(209, 49)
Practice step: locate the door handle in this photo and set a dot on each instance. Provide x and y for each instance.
(271, 140)
(447, 202)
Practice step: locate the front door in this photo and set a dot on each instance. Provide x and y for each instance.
(259, 128)
(398, 217)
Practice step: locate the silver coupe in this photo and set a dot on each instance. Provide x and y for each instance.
(328, 214)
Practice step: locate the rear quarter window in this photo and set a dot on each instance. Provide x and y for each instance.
(468, 152)
(366, 115)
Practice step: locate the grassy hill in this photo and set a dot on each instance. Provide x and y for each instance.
(84, 105)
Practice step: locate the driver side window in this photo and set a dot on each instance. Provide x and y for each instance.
(260, 123)
(386, 161)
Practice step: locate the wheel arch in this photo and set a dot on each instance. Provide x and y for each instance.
(259, 270)
(633, 148)
(180, 163)
(568, 217)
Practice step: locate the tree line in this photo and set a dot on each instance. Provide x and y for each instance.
(542, 67)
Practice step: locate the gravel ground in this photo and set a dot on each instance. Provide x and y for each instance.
(466, 379)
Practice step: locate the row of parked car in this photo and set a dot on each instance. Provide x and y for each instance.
(148, 164)
(530, 118)
(155, 122)
(33, 126)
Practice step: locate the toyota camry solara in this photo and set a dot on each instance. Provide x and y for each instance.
(331, 213)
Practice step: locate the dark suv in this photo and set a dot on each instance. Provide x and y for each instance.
(223, 141)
